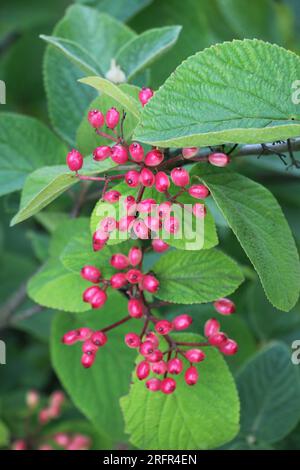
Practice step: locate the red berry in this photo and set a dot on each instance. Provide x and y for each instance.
(211, 327)
(99, 240)
(199, 210)
(99, 299)
(151, 336)
(219, 159)
(189, 152)
(154, 158)
(180, 177)
(150, 283)
(156, 356)
(125, 223)
(70, 337)
(89, 347)
(112, 118)
(163, 327)
(145, 95)
(20, 444)
(143, 370)
(136, 151)
(118, 280)
(229, 348)
(119, 154)
(87, 360)
(198, 191)
(146, 348)
(171, 224)
(195, 355)
(132, 178)
(191, 375)
(130, 205)
(89, 293)
(132, 340)
(168, 385)
(134, 276)
(112, 196)
(74, 160)
(182, 322)
(159, 368)
(135, 308)
(218, 339)
(147, 178)
(108, 224)
(62, 439)
(99, 338)
(164, 209)
(101, 153)
(119, 261)
(84, 333)
(135, 256)
(159, 245)
(175, 366)
(146, 205)
(95, 118)
(153, 384)
(162, 182)
(224, 306)
(90, 273)
(140, 229)
(153, 223)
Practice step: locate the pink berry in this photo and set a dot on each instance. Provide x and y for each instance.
(84, 333)
(199, 210)
(168, 386)
(90, 273)
(162, 182)
(70, 337)
(140, 229)
(95, 118)
(89, 347)
(119, 261)
(134, 276)
(191, 375)
(175, 366)
(112, 118)
(211, 327)
(189, 152)
(45, 447)
(164, 209)
(146, 348)
(125, 223)
(198, 191)
(112, 196)
(135, 256)
(218, 339)
(99, 240)
(147, 178)
(150, 283)
(74, 160)
(118, 280)
(180, 177)
(146, 205)
(151, 336)
(99, 299)
(61, 439)
(101, 153)
(154, 158)
(99, 338)
(20, 444)
(145, 95)
(136, 151)
(156, 356)
(132, 340)
(153, 384)
(229, 348)
(159, 245)
(87, 360)
(159, 368)
(108, 224)
(143, 370)
(119, 154)
(195, 355)
(171, 224)
(182, 322)
(44, 416)
(132, 178)
(32, 399)
(219, 159)
(163, 327)
(224, 306)
(89, 293)
(130, 205)
(135, 308)
(153, 223)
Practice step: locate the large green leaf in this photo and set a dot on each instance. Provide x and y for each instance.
(25, 145)
(197, 277)
(200, 417)
(261, 228)
(96, 391)
(269, 388)
(227, 93)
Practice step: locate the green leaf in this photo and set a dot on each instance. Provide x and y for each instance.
(18, 158)
(115, 92)
(227, 93)
(47, 183)
(4, 435)
(96, 391)
(269, 388)
(197, 277)
(141, 51)
(200, 417)
(261, 228)
(121, 10)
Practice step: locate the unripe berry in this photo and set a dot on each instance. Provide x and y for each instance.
(146, 348)
(112, 118)
(147, 178)
(70, 337)
(99, 338)
(132, 340)
(171, 224)
(151, 336)
(74, 160)
(182, 322)
(90, 273)
(135, 308)
(211, 327)
(99, 240)
(118, 280)
(89, 347)
(95, 118)
(168, 386)
(140, 229)
(136, 151)
(162, 182)
(112, 196)
(132, 178)
(89, 293)
(198, 191)
(146, 205)
(154, 158)
(125, 223)
(143, 370)
(99, 299)
(191, 375)
(101, 153)
(84, 333)
(164, 209)
(180, 177)
(32, 399)
(134, 276)
(119, 261)
(156, 356)
(218, 339)
(159, 368)
(135, 256)
(153, 223)
(189, 152)
(150, 283)
(153, 384)
(229, 348)
(224, 306)
(87, 360)
(119, 154)
(145, 95)
(199, 210)
(175, 366)
(159, 245)
(195, 355)
(219, 159)
(163, 327)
